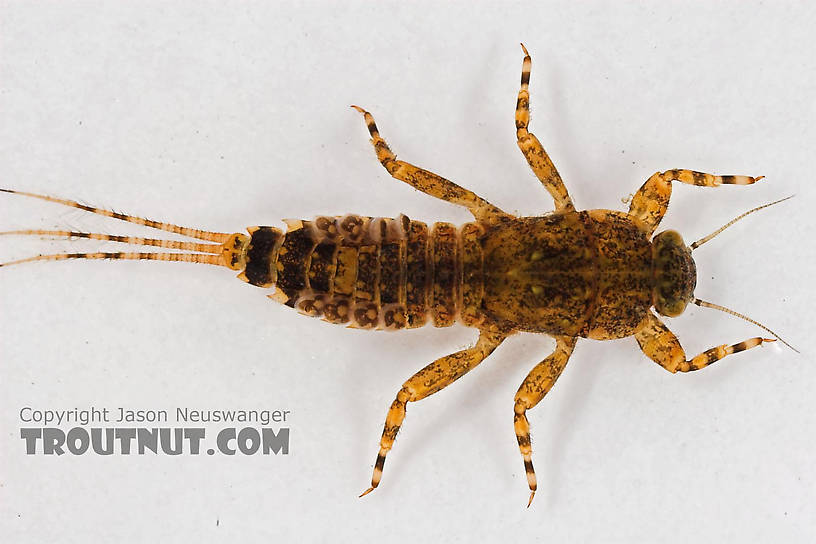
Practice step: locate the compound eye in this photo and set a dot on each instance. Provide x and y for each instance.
(671, 308)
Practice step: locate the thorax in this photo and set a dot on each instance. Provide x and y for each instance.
(575, 273)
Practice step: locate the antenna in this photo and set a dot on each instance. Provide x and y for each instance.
(702, 241)
(705, 304)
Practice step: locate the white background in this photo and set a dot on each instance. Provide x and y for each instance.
(223, 116)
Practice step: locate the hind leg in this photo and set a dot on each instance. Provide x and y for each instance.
(532, 149)
(434, 377)
(428, 182)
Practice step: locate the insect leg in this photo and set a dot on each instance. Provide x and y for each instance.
(434, 377)
(650, 203)
(532, 149)
(428, 182)
(537, 384)
(663, 347)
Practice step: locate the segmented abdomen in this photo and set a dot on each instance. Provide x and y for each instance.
(372, 272)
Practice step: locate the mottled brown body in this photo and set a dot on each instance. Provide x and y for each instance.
(372, 273)
(596, 274)
(569, 273)
(586, 274)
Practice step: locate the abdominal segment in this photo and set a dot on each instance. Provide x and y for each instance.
(372, 273)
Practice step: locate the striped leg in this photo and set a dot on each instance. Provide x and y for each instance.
(662, 347)
(537, 384)
(650, 203)
(428, 182)
(532, 149)
(434, 377)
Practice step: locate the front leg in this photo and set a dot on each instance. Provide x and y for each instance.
(434, 377)
(428, 182)
(650, 203)
(663, 347)
(537, 384)
(532, 149)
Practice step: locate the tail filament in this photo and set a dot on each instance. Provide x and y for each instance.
(205, 253)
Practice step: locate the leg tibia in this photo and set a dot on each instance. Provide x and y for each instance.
(428, 182)
(713, 355)
(702, 179)
(393, 421)
(663, 347)
(535, 386)
(434, 377)
(650, 203)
